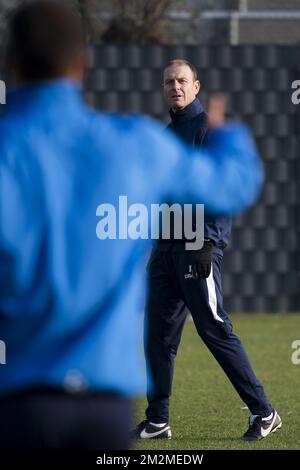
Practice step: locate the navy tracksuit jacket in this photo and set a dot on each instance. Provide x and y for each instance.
(172, 293)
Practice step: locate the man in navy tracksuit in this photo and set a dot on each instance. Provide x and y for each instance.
(180, 281)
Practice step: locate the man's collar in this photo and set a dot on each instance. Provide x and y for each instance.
(189, 112)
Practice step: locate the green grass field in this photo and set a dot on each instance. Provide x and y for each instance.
(207, 413)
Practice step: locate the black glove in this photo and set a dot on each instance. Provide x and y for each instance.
(201, 261)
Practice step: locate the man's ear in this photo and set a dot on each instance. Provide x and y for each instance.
(79, 65)
(197, 87)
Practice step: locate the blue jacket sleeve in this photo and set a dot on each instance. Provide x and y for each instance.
(226, 176)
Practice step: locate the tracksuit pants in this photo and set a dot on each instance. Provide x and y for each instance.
(171, 290)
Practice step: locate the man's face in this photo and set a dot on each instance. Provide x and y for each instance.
(180, 88)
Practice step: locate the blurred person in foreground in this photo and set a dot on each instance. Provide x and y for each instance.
(70, 301)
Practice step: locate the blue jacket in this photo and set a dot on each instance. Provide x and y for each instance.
(70, 303)
(191, 124)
